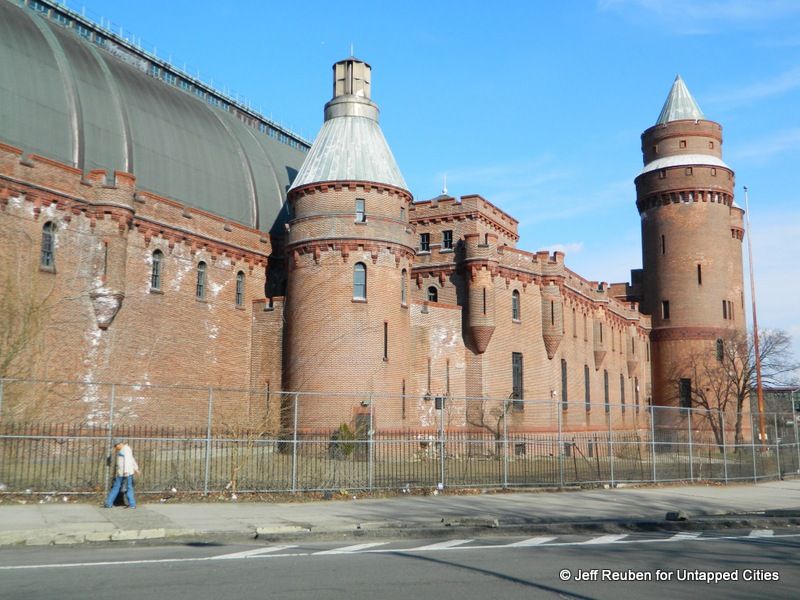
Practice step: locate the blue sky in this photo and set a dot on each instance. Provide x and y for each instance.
(537, 106)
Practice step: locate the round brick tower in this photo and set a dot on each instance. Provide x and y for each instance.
(350, 251)
(691, 244)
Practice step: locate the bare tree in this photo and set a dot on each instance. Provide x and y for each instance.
(723, 377)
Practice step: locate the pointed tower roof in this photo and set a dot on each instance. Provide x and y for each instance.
(350, 146)
(679, 105)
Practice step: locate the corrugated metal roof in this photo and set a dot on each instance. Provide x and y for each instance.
(63, 97)
(350, 148)
(679, 105)
(681, 160)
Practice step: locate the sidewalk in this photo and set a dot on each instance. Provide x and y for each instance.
(519, 512)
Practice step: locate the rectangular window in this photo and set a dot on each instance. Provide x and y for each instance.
(361, 216)
(403, 400)
(622, 392)
(516, 381)
(720, 349)
(724, 309)
(564, 404)
(665, 309)
(424, 242)
(685, 392)
(605, 392)
(586, 389)
(699, 275)
(636, 392)
(402, 213)
(663, 245)
(385, 340)
(447, 240)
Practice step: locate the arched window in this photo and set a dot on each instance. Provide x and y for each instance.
(404, 287)
(240, 288)
(360, 281)
(48, 245)
(515, 314)
(155, 272)
(200, 290)
(433, 294)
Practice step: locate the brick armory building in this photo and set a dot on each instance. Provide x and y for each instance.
(163, 233)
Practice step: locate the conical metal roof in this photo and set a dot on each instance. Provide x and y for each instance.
(679, 105)
(350, 146)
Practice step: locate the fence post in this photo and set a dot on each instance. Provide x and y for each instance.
(370, 447)
(653, 438)
(506, 408)
(208, 440)
(691, 455)
(753, 446)
(110, 435)
(777, 444)
(294, 447)
(724, 446)
(794, 426)
(611, 447)
(441, 445)
(560, 442)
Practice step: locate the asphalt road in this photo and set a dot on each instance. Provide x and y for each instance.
(761, 564)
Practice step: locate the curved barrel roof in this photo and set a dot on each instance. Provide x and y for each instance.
(70, 99)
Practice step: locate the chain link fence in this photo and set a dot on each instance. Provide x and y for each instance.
(56, 436)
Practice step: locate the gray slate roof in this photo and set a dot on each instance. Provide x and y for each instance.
(65, 98)
(679, 105)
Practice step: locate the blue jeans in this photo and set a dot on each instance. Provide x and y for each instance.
(112, 495)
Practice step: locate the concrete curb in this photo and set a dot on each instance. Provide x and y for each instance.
(435, 528)
(55, 537)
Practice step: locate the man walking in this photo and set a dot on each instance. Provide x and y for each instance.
(126, 467)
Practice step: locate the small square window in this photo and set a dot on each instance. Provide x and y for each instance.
(682, 144)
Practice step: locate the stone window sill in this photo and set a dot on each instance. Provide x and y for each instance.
(359, 300)
(46, 269)
(156, 291)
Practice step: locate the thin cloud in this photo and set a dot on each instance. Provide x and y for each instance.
(568, 248)
(695, 17)
(760, 90)
(762, 149)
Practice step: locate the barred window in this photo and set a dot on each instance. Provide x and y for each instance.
(48, 245)
(404, 287)
(155, 272)
(240, 288)
(200, 290)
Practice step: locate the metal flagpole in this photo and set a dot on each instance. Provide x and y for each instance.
(762, 427)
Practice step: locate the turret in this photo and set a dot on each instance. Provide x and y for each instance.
(552, 318)
(350, 252)
(692, 262)
(481, 261)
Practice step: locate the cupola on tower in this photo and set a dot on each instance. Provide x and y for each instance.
(350, 250)
(691, 243)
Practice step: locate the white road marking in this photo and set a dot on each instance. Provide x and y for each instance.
(762, 533)
(350, 549)
(685, 535)
(439, 546)
(534, 541)
(252, 553)
(606, 539)
(265, 553)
